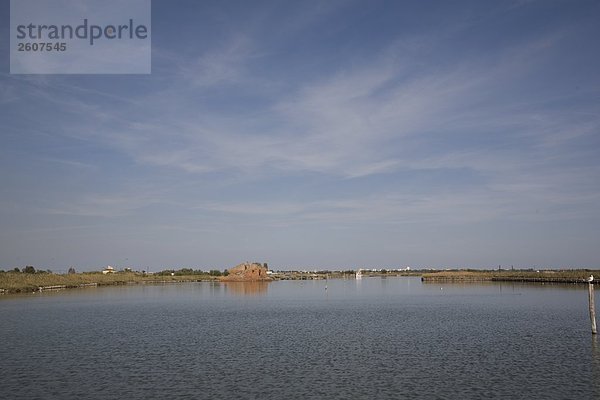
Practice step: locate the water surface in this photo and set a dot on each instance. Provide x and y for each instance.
(373, 338)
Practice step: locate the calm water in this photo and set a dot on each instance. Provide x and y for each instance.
(375, 338)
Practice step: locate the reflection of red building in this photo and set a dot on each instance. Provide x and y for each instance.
(247, 288)
(248, 272)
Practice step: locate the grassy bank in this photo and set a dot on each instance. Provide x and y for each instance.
(18, 282)
(565, 276)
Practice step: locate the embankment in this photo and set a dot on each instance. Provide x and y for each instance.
(571, 276)
(19, 282)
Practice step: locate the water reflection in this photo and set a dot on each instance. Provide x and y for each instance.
(596, 364)
(247, 288)
(371, 338)
(514, 285)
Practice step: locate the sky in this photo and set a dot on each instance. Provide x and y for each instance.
(317, 134)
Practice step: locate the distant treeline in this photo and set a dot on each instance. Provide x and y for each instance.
(27, 270)
(167, 272)
(190, 271)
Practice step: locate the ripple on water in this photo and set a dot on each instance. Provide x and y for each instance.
(385, 340)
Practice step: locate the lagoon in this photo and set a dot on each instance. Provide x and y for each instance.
(384, 338)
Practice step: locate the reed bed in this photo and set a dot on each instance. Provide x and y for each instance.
(18, 282)
(510, 275)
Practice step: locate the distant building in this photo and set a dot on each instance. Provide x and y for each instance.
(108, 270)
(248, 272)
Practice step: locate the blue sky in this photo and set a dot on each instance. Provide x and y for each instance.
(315, 134)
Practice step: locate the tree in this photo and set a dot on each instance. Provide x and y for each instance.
(16, 269)
(185, 271)
(29, 270)
(71, 270)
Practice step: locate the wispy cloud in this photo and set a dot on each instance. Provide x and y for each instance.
(103, 205)
(220, 66)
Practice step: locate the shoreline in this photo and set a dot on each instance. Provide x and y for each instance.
(569, 276)
(23, 283)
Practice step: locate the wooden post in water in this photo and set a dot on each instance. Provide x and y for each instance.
(592, 304)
